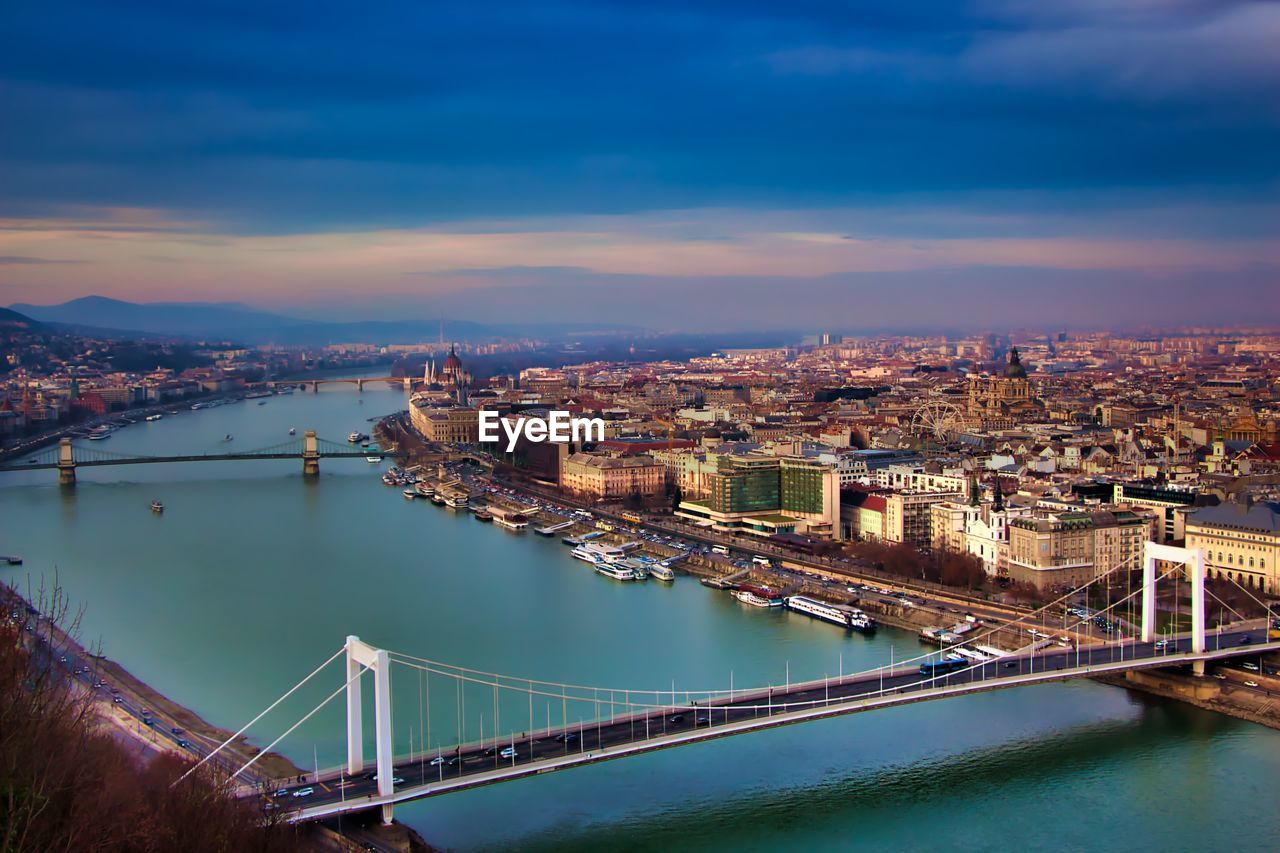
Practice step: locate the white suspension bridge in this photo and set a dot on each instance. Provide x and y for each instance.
(537, 727)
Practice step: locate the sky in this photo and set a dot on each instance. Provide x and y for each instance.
(700, 164)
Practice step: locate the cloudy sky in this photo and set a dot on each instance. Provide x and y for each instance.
(694, 164)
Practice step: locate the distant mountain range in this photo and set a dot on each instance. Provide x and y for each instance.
(236, 322)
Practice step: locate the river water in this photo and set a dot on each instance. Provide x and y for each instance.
(253, 576)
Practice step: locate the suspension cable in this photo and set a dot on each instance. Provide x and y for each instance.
(268, 710)
(292, 728)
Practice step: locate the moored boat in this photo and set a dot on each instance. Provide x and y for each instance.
(755, 599)
(582, 552)
(662, 572)
(837, 614)
(621, 573)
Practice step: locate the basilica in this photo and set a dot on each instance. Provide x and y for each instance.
(997, 402)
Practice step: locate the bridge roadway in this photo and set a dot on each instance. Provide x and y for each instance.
(206, 457)
(546, 751)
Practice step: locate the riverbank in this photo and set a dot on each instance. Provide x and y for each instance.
(1228, 695)
(148, 723)
(34, 443)
(126, 703)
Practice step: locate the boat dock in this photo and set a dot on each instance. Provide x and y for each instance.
(555, 528)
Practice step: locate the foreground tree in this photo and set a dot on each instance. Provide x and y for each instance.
(68, 783)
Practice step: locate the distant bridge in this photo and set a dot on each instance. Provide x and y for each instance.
(404, 382)
(67, 457)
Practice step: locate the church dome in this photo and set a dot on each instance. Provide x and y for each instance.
(1014, 369)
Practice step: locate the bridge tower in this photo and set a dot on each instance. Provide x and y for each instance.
(1193, 560)
(362, 654)
(66, 463)
(310, 454)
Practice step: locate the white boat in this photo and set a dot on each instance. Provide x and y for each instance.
(228, 437)
(604, 553)
(373, 460)
(861, 622)
(410, 494)
(156, 506)
(621, 573)
(293, 431)
(154, 417)
(355, 437)
(837, 614)
(587, 555)
(746, 596)
(98, 433)
(662, 572)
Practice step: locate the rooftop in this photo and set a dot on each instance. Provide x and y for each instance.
(1263, 517)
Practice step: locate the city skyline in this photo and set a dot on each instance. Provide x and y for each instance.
(703, 167)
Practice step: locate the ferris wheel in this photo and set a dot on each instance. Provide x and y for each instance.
(937, 419)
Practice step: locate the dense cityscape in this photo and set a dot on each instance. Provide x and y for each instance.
(639, 426)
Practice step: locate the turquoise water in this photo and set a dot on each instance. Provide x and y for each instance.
(253, 576)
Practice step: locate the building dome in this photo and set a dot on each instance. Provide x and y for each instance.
(1014, 369)
(452, 364)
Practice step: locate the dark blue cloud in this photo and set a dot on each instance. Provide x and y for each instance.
(289, 116)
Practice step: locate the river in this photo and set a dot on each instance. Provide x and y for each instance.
(254, 575)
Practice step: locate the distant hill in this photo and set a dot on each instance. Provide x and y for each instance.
(10, 319)
(232, 321)
(192, 319)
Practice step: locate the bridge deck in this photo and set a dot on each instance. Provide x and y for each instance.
(208, 457)
(640, 733)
